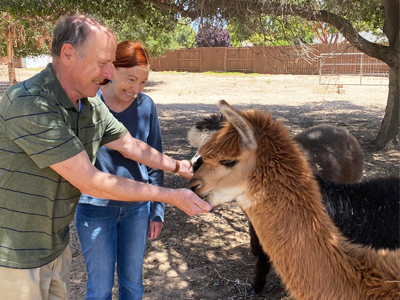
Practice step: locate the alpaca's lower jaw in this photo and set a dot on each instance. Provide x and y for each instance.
(208, 198)
(215, 199)
(205, 197)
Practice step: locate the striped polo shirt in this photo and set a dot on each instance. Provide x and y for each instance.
(40, 126)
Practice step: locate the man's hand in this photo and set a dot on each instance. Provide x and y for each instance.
(189, 202)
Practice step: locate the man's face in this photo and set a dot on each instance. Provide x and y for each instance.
(96, 64)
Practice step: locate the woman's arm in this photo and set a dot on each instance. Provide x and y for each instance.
(80, 172)
(139, 151)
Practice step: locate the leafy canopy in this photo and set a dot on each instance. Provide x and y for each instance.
(32, 23)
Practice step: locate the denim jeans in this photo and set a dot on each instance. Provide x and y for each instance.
(110, 235)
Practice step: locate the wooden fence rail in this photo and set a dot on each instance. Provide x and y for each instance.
(267, 60)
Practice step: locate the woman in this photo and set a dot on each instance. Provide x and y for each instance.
(114, 231)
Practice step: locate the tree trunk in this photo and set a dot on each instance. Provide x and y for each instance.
(391, 120)
(10, 54)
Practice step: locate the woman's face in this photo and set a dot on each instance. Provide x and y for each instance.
(128, 82)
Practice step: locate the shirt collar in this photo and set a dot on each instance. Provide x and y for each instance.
(55, 89)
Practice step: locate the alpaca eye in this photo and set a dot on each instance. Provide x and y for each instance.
(197, 164)
(229, 163)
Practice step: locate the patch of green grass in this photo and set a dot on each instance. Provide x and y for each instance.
(167, 72)
(171, 72)
(230, 73)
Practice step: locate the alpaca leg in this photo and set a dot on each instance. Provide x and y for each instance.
(262, 264)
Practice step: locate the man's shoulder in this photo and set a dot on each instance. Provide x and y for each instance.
(27, 87)
(38, 86)
(26, 98)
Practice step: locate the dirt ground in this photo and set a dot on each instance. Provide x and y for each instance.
(208, 256)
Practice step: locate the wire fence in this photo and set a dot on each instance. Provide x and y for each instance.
(338, 68)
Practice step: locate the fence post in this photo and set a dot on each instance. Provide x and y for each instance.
(225, 57)
(361, 67)
(320, 68)
(255, 56)
(201, 60)
(177, 60)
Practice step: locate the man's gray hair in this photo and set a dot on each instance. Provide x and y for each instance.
(73, 30)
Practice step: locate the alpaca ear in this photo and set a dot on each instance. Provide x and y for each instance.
(244, 129)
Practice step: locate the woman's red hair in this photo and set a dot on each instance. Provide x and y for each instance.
(131, 54)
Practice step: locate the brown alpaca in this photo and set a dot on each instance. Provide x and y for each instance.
(253, 160)
(335, 155)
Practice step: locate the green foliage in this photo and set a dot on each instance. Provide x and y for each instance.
(29, 39)
(161, 29)
(156, 40)
(361, 13)
(34, 21)
(266, 31)
(251, 21)
(185, 36)
(134, 20)
(364, 15)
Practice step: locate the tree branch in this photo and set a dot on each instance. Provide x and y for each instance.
(228, 9)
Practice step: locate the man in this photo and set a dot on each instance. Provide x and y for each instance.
(49, 136)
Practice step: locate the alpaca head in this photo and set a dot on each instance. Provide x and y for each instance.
(200, 133)
(228, 157)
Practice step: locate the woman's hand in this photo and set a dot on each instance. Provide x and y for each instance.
(185, 169)
(154, 230)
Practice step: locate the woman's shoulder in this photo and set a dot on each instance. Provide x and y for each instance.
(143, 98)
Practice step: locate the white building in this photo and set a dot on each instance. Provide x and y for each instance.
(35, 61)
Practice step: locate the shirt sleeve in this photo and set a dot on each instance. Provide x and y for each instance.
(39, 128)
(156, 177)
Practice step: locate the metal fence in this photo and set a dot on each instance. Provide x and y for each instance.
(266, 60)
(351, 64)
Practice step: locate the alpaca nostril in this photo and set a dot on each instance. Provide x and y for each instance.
(193, 188)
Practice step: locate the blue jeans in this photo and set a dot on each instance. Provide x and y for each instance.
(110, 235)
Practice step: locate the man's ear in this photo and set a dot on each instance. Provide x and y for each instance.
(67, 53)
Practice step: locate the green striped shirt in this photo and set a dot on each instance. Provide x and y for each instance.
(40, 126)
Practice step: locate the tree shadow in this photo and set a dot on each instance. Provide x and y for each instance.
(152, 83)
(176, 119)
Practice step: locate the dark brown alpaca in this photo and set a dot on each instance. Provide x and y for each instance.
(253, 160)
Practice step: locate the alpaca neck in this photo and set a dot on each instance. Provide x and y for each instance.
(303, 243)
